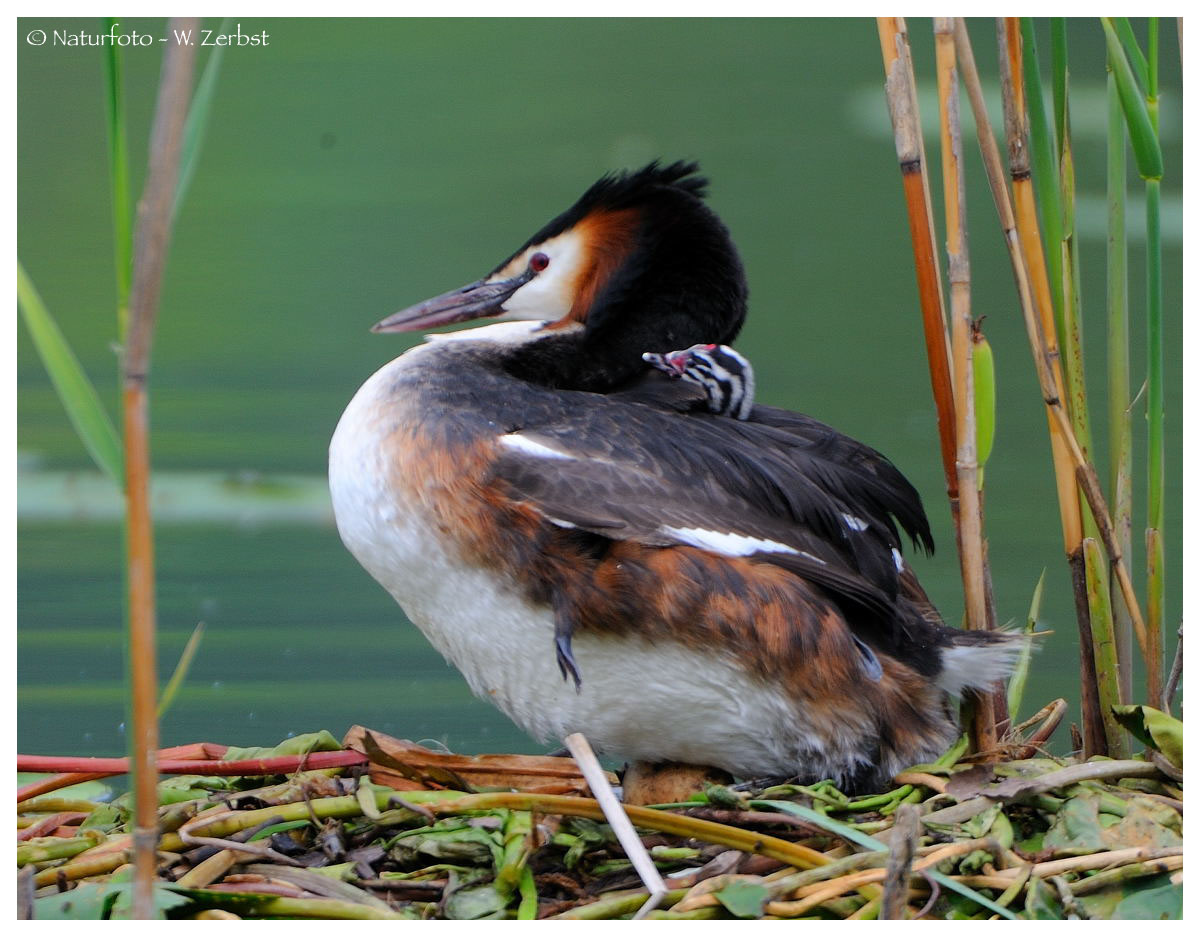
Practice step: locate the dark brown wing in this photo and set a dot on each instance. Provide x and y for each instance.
(660, 479)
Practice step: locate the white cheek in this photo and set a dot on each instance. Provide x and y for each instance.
(551, 293)
(544, 297)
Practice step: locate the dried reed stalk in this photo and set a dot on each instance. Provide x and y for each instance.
(970, 516)
(910, 150)
(152, 236)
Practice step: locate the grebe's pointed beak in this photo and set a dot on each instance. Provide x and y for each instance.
(478, 300)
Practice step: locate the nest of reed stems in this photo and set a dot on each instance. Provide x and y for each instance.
(375, 827)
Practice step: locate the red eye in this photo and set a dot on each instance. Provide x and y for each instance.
(539, 262)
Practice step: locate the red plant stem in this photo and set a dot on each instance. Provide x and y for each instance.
(282, 764)
(47, 825)
(55, 783)
(193, 751)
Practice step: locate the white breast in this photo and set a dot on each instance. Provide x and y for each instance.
(640, 700)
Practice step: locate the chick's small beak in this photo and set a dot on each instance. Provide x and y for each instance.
(477, 300)
(673, 363)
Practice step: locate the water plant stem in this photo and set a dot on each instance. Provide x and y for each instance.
(118, 174)
(1139, 104)
(910, 150)
(1120, 428)
(1016, 121)
(970, 514)
(152, 236)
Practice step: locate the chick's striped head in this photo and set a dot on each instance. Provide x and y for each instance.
(724, 375)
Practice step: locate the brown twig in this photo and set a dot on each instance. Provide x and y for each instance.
(1051, 716)
(1174, 675)
(907, 828)
(151, 240)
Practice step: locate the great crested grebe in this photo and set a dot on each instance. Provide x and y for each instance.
(724, 592)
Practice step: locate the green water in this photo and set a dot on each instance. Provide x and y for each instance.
(354, 167)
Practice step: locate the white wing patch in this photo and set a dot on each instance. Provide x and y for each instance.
(898, 560)
(729, 544)
(527, 446)
(854, 523)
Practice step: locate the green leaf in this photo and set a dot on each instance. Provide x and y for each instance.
(527, 888)
(1164, 903)
(1076, 828)
(1146, 823)
(77, 393)
(274, 828)
(465, 844)
(197, 123)
(1020, 674)
(1142, 137)
(1155, 728)
(743, 899)
(105, 818)
(1137, 61)
(167, 697)
(1041, 902)
(101, 902)
(321, 741)
(474, 903)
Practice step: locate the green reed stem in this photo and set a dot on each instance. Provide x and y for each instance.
(1155, 403)
(1071, 333)
(1156, 479)
(1141, 119)
(1071, 338)
(1104, 647)
(1120, 423)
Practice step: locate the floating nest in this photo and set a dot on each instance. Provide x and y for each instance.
(374, 827)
